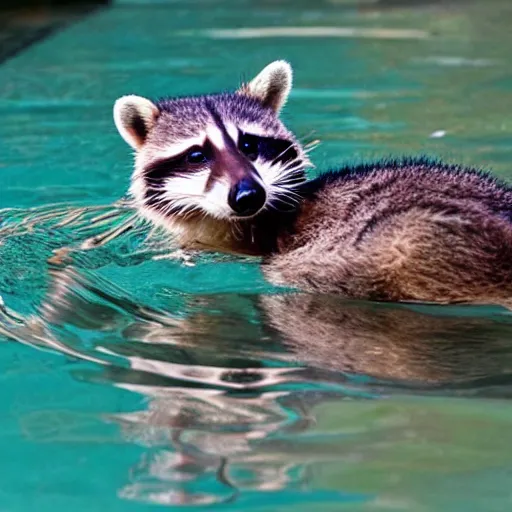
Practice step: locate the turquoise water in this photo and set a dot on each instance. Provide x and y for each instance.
(131, 381)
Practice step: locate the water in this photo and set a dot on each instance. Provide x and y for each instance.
(134, 382)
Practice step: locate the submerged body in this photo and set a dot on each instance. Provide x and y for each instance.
(222, 173)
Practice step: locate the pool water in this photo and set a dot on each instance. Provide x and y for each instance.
(132, 380)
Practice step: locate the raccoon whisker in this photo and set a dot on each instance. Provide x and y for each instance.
(238, 228)
(285, 165)
(289, 202)
(193, 209)
(289, 181)
(203, 214)
(188, 210)
(294, 165)
(164, 202)
(280, 188)
(275, 208)
(155, 185)
(291, 186)
(236, 231)
(165, 205)
(156, 191)
(312, 144)
(289, 207)
(295, 197)
(187, 215)
(182, 201)
(292, 196)
(291, 170)
(287, 175)
(276, 159)
(308, 148)
(152, 187)
(280, 195)
(196, 209)
(298, 158)
(306, 162)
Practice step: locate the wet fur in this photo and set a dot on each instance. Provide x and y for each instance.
(398, 230)
(412, 230)
(409, 230)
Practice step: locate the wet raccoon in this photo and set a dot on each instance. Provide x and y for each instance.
(222, 173)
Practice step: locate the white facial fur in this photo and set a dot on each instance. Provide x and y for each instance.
(190, 192)
(271, 87)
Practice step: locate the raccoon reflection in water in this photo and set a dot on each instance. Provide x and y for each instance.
(213, 407)
(391, 342)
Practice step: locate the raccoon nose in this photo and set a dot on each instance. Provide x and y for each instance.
(247, 197)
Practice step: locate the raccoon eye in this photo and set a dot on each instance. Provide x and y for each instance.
(249, 146)
(196, 156)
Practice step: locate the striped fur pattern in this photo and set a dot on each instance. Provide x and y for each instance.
(191, 151)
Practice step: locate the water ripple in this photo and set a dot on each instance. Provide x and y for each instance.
(235, 386)
(343, 32)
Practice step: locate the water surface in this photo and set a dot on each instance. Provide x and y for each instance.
(133, 381)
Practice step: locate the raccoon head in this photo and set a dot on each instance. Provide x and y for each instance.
(222, 156)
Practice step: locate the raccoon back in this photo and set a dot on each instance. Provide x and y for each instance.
(412, 230)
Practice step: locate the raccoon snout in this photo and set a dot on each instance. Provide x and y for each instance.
(247, 197)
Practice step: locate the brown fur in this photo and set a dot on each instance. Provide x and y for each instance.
(415, 231)
(411, 230)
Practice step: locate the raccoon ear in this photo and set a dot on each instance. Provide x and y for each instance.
(271, 86)
(135, 117)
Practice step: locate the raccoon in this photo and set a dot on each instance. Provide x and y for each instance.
(221, 172)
